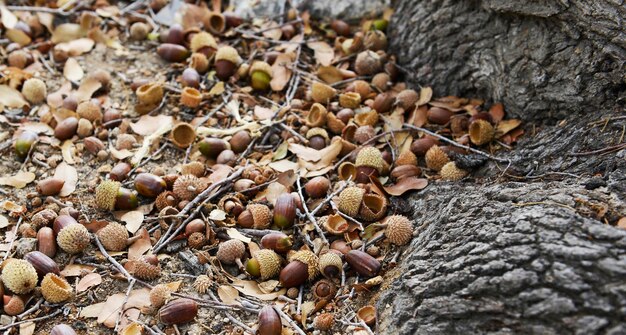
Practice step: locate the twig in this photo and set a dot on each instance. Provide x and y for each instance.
(292, 323)
(32, 309)
(599, 151)
(309, 215)
(30, 151)
(119, 317)
(329, 197)
(239, 323)
(17, 227)
(57, 312)
(117, 265)
(300, 294)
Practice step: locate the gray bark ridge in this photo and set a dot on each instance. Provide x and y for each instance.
(515, 258)
(542, 59)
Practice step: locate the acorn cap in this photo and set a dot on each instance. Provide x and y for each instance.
(43, 218)
(230, 250)
(317, 115)
(187, 187)
(317, 132)
(330, 264)
(142, 269)
(399, 229)
(190, 97)
(436, 158)
(350, 200)
(334, 224)
(324, 321)
(202, 284)
(159, 295)
(114, 236)
(106, 193)
(89, 110)
(350, 100)
(164, 199)
(196, 240)
(73, 238)
(481, 132)
(55, 289)
(227, 53)
(451, 172)
(406, 157)
(34, 90)
(322, 93)
(261, 66)
(19, 276)
(269, 263)
(202, 40)
(261, 215)
(15, 306)
(367, 63)
(309, 258)
(194, 168)
(372, 157)
(373, 207)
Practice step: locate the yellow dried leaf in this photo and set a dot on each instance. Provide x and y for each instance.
(88, 281)
(74, 270)
(140, 246)
(92, 311)
(251, 288)
(69, 175)
(133, 220)
(72, 70)
(147, 124)
(228, 295)
(324, 53)
(329, 74)
(234, 233)
(506, 126)
(281, 71)
(87, 88)
(426, 93)
(20, 180)
(217, 89)
(11, 98)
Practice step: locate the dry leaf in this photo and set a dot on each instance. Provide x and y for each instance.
(76, 47)
(283, 165)
(9, 20)
(72, 70)
(147, 143)
(217, 215)
(306, 309)
(406, 184)
(68, 174)
(263, 113)
(90, 280)
(11, 98)
(217, 89)
(133, 220)
(253, 127)
(251, 288)
(272, 192)
(228, 295)
(426, 93)
(506, 126)
(324, 53)
(281, 71)
(329, 74)
(273, 34)
(74, 270)
(268, 286)
(234, 233)
(87, 88)
(92, 311)
(4, 222)
(37, 127)
(18, 36)
(66, 32)
(67, 149)
(140, 246)
(120, 154)
(147, 124)
(20, 180)
(27, 328)
(55, 99)
(136, 299)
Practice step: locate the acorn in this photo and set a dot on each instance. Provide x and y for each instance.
(399, 229)
(363, 263)
(13, 305)
(340, 27)
(178, 311)
(231, 251)
(195, 226)
(350, 100)
(350, 200)
(324, 289)
(375, 40)
(187, 187)
(331, 264)
(227, 157)
(260, 75)
(294, 274)
(149, 185)
(46, 243)
(49, 186)
(340, 246)
(226, 60)
(159, 295)
(111, 118)
(317, 187)
(150, 94)
(19, 276)
(175, 34)
(380, 24)
(126, 199)
(420, 146)
(367, 314)
(322, 93)
(381, 81)
(317, 138)
(383, 103)
(43, 218)
(232, 20)
(110, 195)
(364, 134)
(199, 62)
(190, 97)
(406, 158)
(194, 168)
(284, 211)
(66, 128)
(240, 141)
(183, 134)
(481, 132)
(407, 99)
(265, 263)
(120, 171)
(269, 322)
(436, 158)
(451, 172)
(84, 129)
(73, 238)
(62, 329)
(139, 31)
(324, 321)
(438, 115)
(202, 284)
(55, 289)
(211, 147)
(90, 110)
(317, 116)
(405, 171)
(196, 240)
(114, 236)
(310, 259)
(172, 52)
(165, 199)
(278, 242)
(42, 263)
(369, 162)
(19, 59)
(24, 142)
(256, 216)
(369, 118)
(362, 88)
(125, 142)
(367, 63)
(203, 42)
(34, 90)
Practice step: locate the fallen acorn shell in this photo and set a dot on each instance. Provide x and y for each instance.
(334, 124)
(187, 187)
(159, 295)
(42, 263)
(46, 243)
(373, 207)
(183, 134)
(407, 99)
(150, 94)
(367, 314)
(194, 168)
(190, 97)
(34, 90)
(178, 311)
(335, 224)
(346, 171)
(106, 194)
(324, 321)
(62, 329)
(113, 236)
(363, 263)
(50, 186)
(149, 185)
(481, 132)
(406, 158)
(202, 284)
(55, 289)
(269, 322)
(452, 173)
(350, 100)
(317, 115)
(322, 93)
(133, 328)
(362, 88)
(199, 62)
(144, 269)
(215, 22)
(366, 118)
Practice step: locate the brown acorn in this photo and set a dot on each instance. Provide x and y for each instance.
(324, 289)
(256, 216)
(120, 171)
(294, 274)
(231, 251)
(367, 63)
(269, 322)
(46, 243)
(13, 305)
(50, 186)
(284, 211)
(211, 147)
(265, 263)
(240, 141)
(66, 128)
(369, 162)
(363, 263)
(278, 242)
(42, 263)
(438, 115)
(331, 264)
(317, 187)
(149, 185)
(24, 142)
(226, 60)
(190, 78)
(178, 311)
(62, 329)
(322, 93)
(173, 52)
(340, 27)
(420, 146)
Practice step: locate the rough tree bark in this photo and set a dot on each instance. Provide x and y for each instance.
(520, 255)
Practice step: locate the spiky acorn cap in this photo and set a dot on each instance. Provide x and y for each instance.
(202, 40)
(106, 193)
(145, 270)
(89, 110)
(261, 66)
(372, 157)
(19, 276)
(196, 240)
(227, 53)
(436, 158)
(114, 236)
(261, 214)
(74, 238)
(317, 131)
(55, 289)
(373, 207)
(230, 250)
(194, 168)
(15, 306)
(164, 199)
(451, 172)
(481, 132)
(350, 100)
(330, 264)
(309, 258)
(324, 321)
(406, 157)
(202, 284)
(399, 229)
(188, 186)
(269, 263)
(34, 90)
(350, 200)
(159, 295)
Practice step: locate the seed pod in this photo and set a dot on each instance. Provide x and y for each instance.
(19, 276)
(231, 251)
(324, 321)
(481, 132)
(34, 90)
(42, 263)
(367, 314)
(215, 22)
(190, 78)
(226, 60)
(126, 199)
(240, 141)
(93, 145)
(24, 142)
(451, 172)
(46, 242)
(324, 289)
(363, 263)
(50, 186)
(178, 311)
(73, 238)
(278, 242)
(322, 93)
(260, 75)
(436, 158)
(265, 263)
(399, 229)
(120, 171)
(66, 128)
(294, 274)
(149, 185)
(212, 147)
(284, 211)
(172, 52)
(439, 115)
(55, 289)
(269, 322)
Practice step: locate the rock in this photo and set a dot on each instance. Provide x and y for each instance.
(25, 245)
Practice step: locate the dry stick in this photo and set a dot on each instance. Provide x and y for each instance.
(30, 151)
(121, 312)
(200, 197)
(300, 298)
(117, 265)
(345, 216)
(332, 195)
(309, 215)
(294, 133)
(445, 139)
(292, 323)
(32, 309)
(239, 323)
(32, 320)
(599, 151)
(17, 227)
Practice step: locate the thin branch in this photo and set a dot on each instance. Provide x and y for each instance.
(117, 265)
